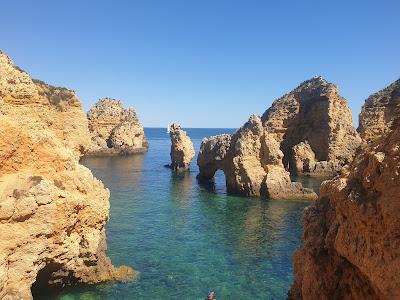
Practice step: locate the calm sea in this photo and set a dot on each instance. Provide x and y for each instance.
(186, 239)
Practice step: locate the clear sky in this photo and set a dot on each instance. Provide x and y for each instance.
(208, 63)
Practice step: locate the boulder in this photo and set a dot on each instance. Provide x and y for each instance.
(182, 150)
(302, 159)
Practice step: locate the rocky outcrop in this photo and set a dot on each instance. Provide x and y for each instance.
(316, 113)
(52, 209)
(182, 150)
(252, 163)
(114, 129)
(378, 113)
(351, 246)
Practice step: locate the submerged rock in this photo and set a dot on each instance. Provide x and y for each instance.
(351, 235)
(182, 150)
(316, 113)
(52, 210)
(252, 163)
(114, 129)
(378, 113)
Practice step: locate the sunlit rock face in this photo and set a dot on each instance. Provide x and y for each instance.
(378, 113)
(252, 163)
(351, 235)
(182, 150)
(315, 113)
(114, 129)
(52, 209)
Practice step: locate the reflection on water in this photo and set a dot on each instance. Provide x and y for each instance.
(185, 239)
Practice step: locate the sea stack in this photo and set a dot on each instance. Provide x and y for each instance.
(252, 163)
(115, 130)
(52, 210)
(351, 241)
(182, 150)
(314, 127)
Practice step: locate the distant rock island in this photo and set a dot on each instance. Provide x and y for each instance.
(115, 130)
(351, 233)
(52, 210)
(182, 150)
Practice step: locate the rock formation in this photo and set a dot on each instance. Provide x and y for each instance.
(252, 163)
(315, 113)
(115, 130)
(182, 150)
(351, 246)
(377, 114)
(52, 209)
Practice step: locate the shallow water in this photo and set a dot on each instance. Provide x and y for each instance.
(186, 239)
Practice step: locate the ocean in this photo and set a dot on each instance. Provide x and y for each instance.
(185, 238)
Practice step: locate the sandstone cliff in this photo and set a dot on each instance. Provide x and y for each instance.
(114, 129)
(252, 163)
(182, 150)
(351, 233)
(378, 113)
(315, 113)
(52, 209)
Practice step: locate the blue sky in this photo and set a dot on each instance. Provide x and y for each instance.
(203, 63)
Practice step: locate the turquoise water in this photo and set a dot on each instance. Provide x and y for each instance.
(186, 239)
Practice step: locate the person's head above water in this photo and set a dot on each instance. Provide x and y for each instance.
(211, 295)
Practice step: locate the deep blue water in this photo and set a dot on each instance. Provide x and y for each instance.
(186, 239)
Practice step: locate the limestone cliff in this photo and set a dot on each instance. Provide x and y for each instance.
(378, 113)
(315, 113)
(252, 163)
(351, 233)
(114, 129)
(52, 209)
(182, 150)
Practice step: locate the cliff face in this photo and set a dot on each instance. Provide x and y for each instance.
(351, 233)
(252, 163)
(182, 150)
(316, 114)
(52, 209)
(115, 130)
(378, 113)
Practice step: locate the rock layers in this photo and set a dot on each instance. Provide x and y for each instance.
(52, 209)
(314, 114)
(378, 113)
(252, 163)
(351, 246)
(182, 150)
(114, 129)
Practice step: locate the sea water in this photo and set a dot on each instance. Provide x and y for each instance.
(185, 238)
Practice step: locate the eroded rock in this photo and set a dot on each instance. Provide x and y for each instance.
(52, 210)
(252, 163)
(114, 129)
(182, 150)
(316, 113)
(351, 236)
(378, 113)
